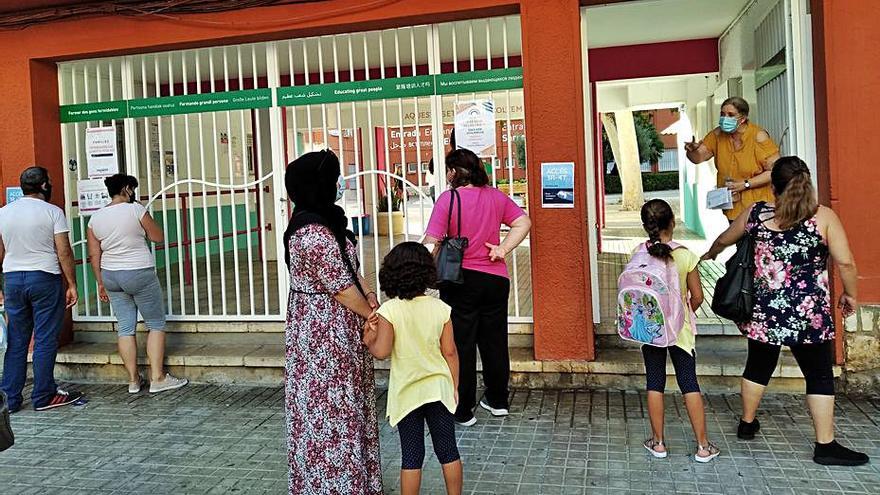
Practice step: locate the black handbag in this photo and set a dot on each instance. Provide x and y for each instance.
(451, 253)
(7, 439)
(734, 296)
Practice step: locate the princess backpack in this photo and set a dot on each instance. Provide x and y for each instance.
(650, 306)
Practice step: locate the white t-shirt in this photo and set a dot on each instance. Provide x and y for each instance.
(123, 240)
(28, 227)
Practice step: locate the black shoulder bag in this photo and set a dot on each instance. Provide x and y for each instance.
(734, 296)
(451, 253)
(7, 439)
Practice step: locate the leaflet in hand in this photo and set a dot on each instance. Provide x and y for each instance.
(719, 199)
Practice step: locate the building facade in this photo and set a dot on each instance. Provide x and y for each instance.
(206, 109)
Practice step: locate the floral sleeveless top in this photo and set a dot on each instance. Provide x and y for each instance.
(792, 298)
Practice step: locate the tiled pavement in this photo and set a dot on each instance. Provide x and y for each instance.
(227, 439)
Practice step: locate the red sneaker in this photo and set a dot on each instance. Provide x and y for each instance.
(61, 398)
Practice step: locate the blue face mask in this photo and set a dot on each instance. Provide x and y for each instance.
(340, 188)
(728, 124)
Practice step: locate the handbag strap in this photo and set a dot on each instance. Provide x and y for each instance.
(454, 194)
(755, 215)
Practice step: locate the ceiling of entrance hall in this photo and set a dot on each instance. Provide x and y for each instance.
(655, 21)
(475, 40)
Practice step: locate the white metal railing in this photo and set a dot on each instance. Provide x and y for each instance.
(214, 179)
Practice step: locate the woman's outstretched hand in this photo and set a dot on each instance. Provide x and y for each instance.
(711, 254)
(693, 145)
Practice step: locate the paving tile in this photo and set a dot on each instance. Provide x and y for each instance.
(228, 439)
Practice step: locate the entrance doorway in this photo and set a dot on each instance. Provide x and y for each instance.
(667, 65)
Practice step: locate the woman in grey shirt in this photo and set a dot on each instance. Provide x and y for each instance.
(126, 273)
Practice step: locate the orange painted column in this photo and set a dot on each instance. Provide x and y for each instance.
(31, 102)
(847, 98)
(555, 133)
(847, 93)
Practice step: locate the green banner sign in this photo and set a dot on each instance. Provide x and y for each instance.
(314, 94)
(207, 102)
(376, 89)
(86, 112)
(479, 81)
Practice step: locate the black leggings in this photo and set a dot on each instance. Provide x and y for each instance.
(815, 361)
(412, 435)
(655, 368)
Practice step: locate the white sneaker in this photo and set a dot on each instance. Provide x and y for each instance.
(134, 388)
(169, 383)
(470, 422)
(494, 412)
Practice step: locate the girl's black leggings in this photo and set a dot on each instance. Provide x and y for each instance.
(441, 423)
(815, 360)
(685, 365)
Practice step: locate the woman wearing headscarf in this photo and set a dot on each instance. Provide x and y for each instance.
(330, 403)
(794, 237)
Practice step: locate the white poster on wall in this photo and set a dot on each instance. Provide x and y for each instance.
(475, 127)
(101, 152)
(92, 195)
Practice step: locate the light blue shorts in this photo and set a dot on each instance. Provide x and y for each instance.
(133, 291)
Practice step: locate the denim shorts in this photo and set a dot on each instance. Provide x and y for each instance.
(133, 291)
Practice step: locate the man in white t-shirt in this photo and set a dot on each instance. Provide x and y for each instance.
(35, 251)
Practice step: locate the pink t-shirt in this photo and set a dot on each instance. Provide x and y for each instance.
(484, 210)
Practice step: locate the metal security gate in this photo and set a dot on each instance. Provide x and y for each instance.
(208, 132)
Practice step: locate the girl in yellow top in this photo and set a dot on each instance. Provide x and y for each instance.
(416, 331)
(659, 222)
(744, 156)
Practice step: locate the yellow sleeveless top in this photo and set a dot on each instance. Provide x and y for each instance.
(741, 164)
(419, 373)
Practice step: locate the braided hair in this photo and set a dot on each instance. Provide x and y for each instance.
(657, 216)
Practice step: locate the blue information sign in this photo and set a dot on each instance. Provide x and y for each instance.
(13, 193)
(557, 185)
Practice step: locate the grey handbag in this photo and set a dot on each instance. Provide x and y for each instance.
(7, 439)
(451, 253)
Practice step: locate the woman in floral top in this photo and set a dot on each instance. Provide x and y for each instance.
(330, 402)
(792, 301)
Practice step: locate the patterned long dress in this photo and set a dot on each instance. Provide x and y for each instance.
(792, 298)
(333, 435)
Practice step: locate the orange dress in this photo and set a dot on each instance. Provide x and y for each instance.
(742, 164)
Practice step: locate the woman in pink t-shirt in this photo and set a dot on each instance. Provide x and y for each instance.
(479, 305)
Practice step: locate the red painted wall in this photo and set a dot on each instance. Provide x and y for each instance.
(654, 60)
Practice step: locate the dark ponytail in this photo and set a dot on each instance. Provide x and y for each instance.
(657, 216)
(795, 195)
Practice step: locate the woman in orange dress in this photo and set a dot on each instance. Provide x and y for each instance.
(744, 155)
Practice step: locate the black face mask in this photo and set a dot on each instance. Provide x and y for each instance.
(47, 192)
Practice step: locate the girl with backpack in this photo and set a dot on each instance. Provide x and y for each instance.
(658, 293)
(415, 330)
